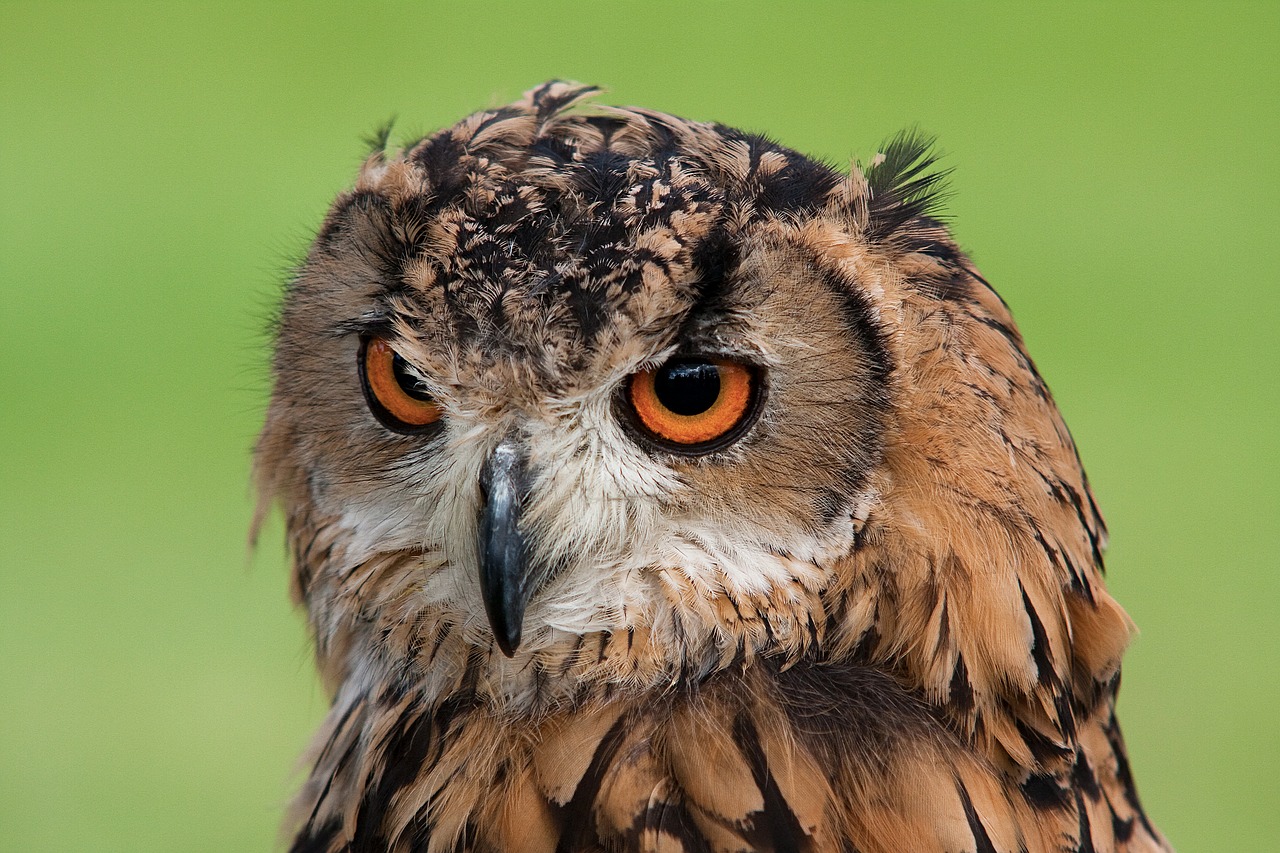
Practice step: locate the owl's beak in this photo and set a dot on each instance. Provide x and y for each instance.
(504, 581)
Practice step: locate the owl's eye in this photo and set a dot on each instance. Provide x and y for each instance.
(694, 405)
(395, 396)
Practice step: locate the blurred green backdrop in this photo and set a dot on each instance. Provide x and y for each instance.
(162, 164)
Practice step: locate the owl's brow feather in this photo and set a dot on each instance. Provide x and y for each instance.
(379, 324)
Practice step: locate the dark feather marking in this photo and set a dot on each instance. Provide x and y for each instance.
(944, 628)
(1078, 584)
(548, 104)
(1018, 352)
(1050, 551)
(801, 186)
(558, 150)
(409, 742)
(338, 768)
(1092, 524)
(768, 630)
(672, 820)
(1121, 829)
(1085, 844)
(1062, 704)
(841, 711)
(836, 612)
(607, 125)
(867, 643)
(945, 288)
(442, 633)
(1083, 779)
(933, 239)
(981, 839)
(357, 705)
(715, 259)
(575, 817)
(812, 628)
(1097, 516)
(1089, 693)
(929, 593)
(830, 504)
(1124, 775)
(317, 841)
(960, 692)
(1044, 750)
(441, 156)
(739, 659)
(1045, 791)
(572, 658)
(780, 826)
(1040, 651)
(492, 118)
(602, 177)
(860, 320)
(1007, 332)
(973, 273)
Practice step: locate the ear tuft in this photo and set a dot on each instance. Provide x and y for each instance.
(376, 142)
(904, 184)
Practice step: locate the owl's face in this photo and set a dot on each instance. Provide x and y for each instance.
(690, 398)
(716, 430)
(618, 396)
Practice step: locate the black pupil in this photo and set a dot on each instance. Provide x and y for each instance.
(408, 383)
(687, 387)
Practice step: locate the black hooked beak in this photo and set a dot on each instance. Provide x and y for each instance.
(504, 579)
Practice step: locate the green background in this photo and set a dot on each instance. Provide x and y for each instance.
(162, 165)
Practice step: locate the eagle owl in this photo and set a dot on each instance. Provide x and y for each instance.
(651, 486)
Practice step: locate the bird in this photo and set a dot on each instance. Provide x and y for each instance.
(651, 486)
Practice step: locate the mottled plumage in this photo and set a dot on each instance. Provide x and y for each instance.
(869, 617)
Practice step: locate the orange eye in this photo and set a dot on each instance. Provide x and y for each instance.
(694, 404)
(395, 396)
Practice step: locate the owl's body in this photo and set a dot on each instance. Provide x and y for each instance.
(652, 487)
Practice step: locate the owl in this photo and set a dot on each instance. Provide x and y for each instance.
(652, 487)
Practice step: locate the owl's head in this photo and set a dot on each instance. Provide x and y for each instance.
(608, 397)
